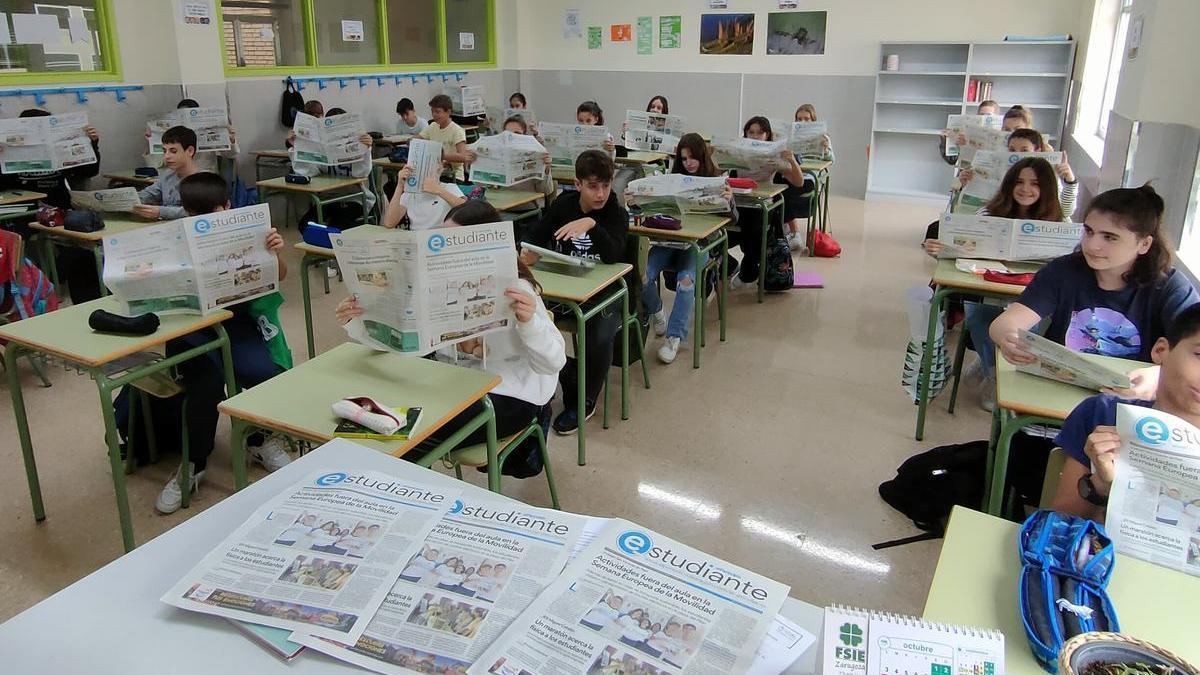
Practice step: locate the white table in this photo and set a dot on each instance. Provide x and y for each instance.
(112, 621)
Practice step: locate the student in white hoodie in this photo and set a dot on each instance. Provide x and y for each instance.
(527, 358)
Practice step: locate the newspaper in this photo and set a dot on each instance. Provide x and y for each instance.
(480, 567)
(1154, 506)
(526, 114)
(329, 140)
(785, 642)
(1058, 362)
(679, 193)
(424, 162)
(806, 138)
(192, 265)
(957, 124)
(506, 159)
(320, 557)
(980, 138)
(747, 154)
(1011, 239)
(50, 143)
(988, 168)
(636, 599)
(565, 142)
(427, 289)
(210, 124)
(653, 132)
(467, 101)
(112, 200)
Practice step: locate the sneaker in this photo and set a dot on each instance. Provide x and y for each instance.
(331, 271)
(987, 393)
(272, 454)
(669, 350)
(567, 422)
(973, 372)
(794, 241)
(659, 319)
(171, 497)
(736, 283)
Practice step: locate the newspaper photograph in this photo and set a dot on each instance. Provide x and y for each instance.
(1154, 505)
(806, 138)
(424, 162)
(329, 140)
(48, 143)
(674, 192)
(112, 200)
(1063, 364)
(481, 566)
(506, 159)
(319, 558)
(565, 142)
(636, 600)
(193, 265)
(424, 290)
(652, 131)
(980, 138)
(957, 124)
(467, 101)
(1006, 239)
(210, 124)
(747, 154)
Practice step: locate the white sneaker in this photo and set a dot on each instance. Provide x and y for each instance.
(331, 271)
(987, 393)
(794, 241)
(272, 454)
(659, 319)
(735, 283)
(171, 497)
(669, 350)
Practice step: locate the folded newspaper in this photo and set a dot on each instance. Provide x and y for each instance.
(329, 140)
(506, 159)
(112, 200)
(192, 265)
(988, 169)
(49, 143)
(545, 254)
(1011, 239)
(748, 154)
(980, 138)
(565, 142)
(210, 124)
(957, 124)
(424, 162)
(1154, 505)
(1061, 363)
(423, 290)
(679, 193)
(652, 131)
(806, 139)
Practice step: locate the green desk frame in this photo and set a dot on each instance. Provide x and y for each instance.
(766, 205)
(318, 200)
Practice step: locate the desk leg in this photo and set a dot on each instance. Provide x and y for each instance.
(625, 350)
(581, 384)
(320, 208)
(11, 353)
(236, 449)
(935, 310)
(762, 250)
(825, 205)
(723, 288)
(306, 262)
(493, 465)
(114, 457)
(46, 251)
(999, 462)
(698, 315)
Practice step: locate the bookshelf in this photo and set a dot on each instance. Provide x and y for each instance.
(911, 104)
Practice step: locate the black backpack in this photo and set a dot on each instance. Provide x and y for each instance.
(929, 484)
(780, 270)
(289, 104)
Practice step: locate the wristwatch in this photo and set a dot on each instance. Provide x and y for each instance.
(1087, 490)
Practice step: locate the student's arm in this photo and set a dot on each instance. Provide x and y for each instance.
(949, 159)
(543, 342)
(395, 212)
(793, 173)
(1066, 496)
(171, 212)
(1067, 197)
(460, 155)
(152, 193)
(931, 244)
(1004, 332)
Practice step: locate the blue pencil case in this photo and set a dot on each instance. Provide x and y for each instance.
(317, 234)
(1066, 564)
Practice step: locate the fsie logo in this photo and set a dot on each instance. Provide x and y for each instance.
(458, 506)
(634, 542)
(330, 479)
(1152, 430)
(851, 636)
(436, 243)
(202, 226)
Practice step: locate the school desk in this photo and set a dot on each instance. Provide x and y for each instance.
(75, 630)
(1023, 400)
(819, 201)
(948, 281)
(50, 237)
(64, 334)
(703, 234)
(297, 402)
(320, 190)
(573, 287)
(643, 158)
(18, 199)
(976, 584)
(270, 159)
(129, 179)
(766, 198)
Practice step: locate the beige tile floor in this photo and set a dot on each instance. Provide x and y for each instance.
(768, 456)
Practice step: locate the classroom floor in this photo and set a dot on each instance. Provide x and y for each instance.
(768, 456)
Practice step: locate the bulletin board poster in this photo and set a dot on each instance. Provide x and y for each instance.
(727, 34)
(196, 12)
(669, 32)
(595, 35)
(645, 35)
(796, 32)
(621, 32)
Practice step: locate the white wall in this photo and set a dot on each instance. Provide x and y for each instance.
(1160, 85)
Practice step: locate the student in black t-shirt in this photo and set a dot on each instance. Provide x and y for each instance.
(1115, 296)
(587, 222)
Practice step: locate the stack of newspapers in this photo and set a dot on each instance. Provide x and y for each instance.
(410, 571)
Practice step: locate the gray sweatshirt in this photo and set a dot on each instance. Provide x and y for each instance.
(165, 193)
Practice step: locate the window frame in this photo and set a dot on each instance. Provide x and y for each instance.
(383, 49)
(107, 31)
(1112, 77)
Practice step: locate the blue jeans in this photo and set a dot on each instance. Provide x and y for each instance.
(680, 260)
(979, 319)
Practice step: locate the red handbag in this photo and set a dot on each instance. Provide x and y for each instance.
(824, 245)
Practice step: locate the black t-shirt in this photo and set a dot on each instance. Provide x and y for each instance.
(604, 242)
(1088, 319)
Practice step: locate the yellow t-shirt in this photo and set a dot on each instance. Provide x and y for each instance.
(449, 137)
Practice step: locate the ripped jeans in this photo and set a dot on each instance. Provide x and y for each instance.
(679, 260)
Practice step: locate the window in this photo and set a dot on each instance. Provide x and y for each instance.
(1102, 73)
(347, 32)
(1112, 75)
(412, 31)
(263, 33)
(64, 41)
(467, 30)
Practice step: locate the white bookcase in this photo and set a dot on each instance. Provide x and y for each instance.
(911, 104)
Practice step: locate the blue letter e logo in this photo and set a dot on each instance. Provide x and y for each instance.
(1152, 430)
(330, 479)
(1028, 228)
(436, 243)
(202, 226)
(634, 542)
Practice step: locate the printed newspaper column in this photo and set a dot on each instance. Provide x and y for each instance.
(565, 142)
(480, 567)
(806, 139)
(1154, 506)
(506, 159)
(635, 599)
(424, 162)
(328, 140)
(48, 143)
(150, 270)
(653, 132)
(319, 558)
(468, 101)
(980, 138)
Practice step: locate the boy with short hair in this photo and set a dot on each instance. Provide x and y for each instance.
(410, 124)
(207, 161)
(452, 137)
(1089, 435)
(161, 201)
(588, 222)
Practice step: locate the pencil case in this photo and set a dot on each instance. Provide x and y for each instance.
(316, 234)
(296, 179)
(742, 183)
(1067, 562)
(145, 172)
(661, 222)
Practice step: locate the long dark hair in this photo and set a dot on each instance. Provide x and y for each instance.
(1047, 207)
(659, 97)
(478, 212)
(762, 122)
(593, 108)
(698, 149)
(1140, 211)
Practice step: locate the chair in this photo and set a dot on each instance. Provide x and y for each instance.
(476, 455)
(1054, 468)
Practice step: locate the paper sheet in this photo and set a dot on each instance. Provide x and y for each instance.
(36, 29)
(785, 642)
(80, 35)
(352, 31)
(466, 42)
(572, 25)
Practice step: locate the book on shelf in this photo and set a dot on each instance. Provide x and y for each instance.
(972, 91)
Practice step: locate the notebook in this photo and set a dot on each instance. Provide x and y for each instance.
(274, 640)
(858, 642)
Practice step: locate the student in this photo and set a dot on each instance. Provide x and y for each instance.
(346, 215)
(161, 200)
(409, 124)
(693, 157)
(421, 209)
(750, 220)
(313, 108)
(546, 184)
(587, 222)
(203, 377)
(527, 359)
(799, 199)
(445, 131)
(1017, 117)
(1089, 436)
(589, 114)
(76, 266)
(1115, 296)
(1027, 139)
(518, 101)
(658, 105)
(988, 107)
(207, 161)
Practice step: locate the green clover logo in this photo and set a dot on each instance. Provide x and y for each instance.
(850, 634)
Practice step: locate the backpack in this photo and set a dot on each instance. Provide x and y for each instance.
(824, 245)
(929, 484)
(780, 270)
(289, 104)
(241, 194)
(25, 290)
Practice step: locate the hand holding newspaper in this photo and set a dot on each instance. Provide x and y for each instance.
(748, 154)
(957, 124)
(1154, 503)
(329, 140)
(653, 132)
(49, 143)
(964, 236)
(506, 159)
(806, 139)
(1060, 363)
(679, 193)
(210, 124)
(193, 265)
(112, 200)
(989, 168)
(565, 142)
